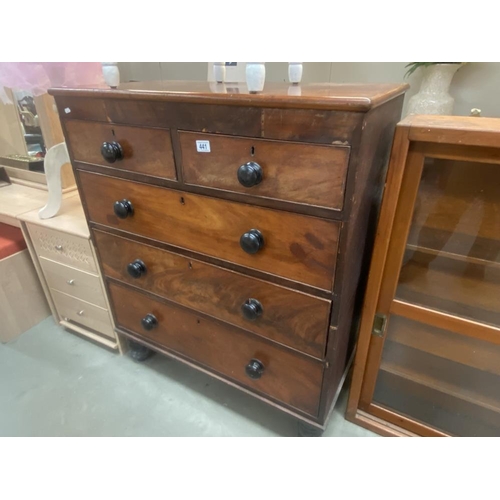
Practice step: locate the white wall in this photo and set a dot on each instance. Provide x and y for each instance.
(476, 85)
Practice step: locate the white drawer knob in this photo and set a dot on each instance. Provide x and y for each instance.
(80, 313)
(70, 282)
(58, 247)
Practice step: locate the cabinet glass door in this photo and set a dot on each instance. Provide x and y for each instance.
(440, 361)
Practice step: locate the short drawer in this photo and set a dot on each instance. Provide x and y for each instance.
(298, 247)
(292, 318)
(62, 247)
(71, 281)
(293, 379)
(300, 173)
(83, 313)
(133, 149)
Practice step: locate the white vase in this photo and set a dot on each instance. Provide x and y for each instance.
(255, 76)
(111, 74)
(219, 72)
(295, 72)
(434, 98)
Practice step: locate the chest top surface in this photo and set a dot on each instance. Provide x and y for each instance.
(334, 96)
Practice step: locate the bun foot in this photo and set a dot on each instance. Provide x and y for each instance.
(139, 352)
(307, 430)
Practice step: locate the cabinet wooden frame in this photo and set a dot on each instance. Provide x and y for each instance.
(416, 138)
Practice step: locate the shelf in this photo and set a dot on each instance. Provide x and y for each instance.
(461, 288)
(453, 256)
(466, 350)
(444, 375)
(396, 391)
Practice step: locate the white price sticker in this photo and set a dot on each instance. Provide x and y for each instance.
(203, 146)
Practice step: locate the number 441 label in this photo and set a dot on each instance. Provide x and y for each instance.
(203, 146)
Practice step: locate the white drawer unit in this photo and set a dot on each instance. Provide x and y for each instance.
(65, 260)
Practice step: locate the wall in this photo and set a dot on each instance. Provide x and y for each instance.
(475, 85)
(11, 134)
(149, 71)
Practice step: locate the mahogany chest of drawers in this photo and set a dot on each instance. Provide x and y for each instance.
(234, 229)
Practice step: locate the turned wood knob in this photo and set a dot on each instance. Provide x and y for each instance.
(252, 309)
(111, 151)
(136, 269)
(250, 174)
(123, 209)
(149, 322)
(254, 369)
(252, 241)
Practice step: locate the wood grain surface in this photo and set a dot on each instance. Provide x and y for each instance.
(292, 318)
(298, 247)
(146, 151)
(300, 173)
(288, 377)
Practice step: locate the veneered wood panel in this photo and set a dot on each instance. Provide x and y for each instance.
(292, 318)
(146, 151)
(301, 173)
(298, 247)
(291, 378)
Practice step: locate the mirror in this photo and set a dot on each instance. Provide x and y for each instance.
(32, 132)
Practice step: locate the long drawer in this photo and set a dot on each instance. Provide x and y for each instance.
(293, 246)
(84, 313)
(134, 149)
(63, 247)
(286, 316)
(301, 173)
(261, 366)
(73, 282)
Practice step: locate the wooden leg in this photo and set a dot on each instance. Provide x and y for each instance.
(307, 430)
(139, 352)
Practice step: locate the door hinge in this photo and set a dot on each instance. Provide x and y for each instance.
(379, 324)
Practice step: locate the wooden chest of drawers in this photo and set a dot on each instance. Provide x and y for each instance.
(233, 229)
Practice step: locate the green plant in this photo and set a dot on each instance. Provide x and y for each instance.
(415, 65)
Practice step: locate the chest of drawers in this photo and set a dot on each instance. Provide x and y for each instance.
(234, 229)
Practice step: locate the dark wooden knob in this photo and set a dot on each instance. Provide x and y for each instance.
(123, 209)
(111, 151)
(149, 322)
(136, 269)
(254, 369)
(252, 309)
(252, 241)
(250, 174)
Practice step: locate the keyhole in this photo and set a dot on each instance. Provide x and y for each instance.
(113, 132)
(252, 150)
(190, 265)
(182, 200)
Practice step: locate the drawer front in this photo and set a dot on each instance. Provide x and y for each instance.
(299, 173)
(146, 151)
(291, 378)
(62, 247)
(83, 313)
(73, 282)
(297, 247)
(292, 318)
